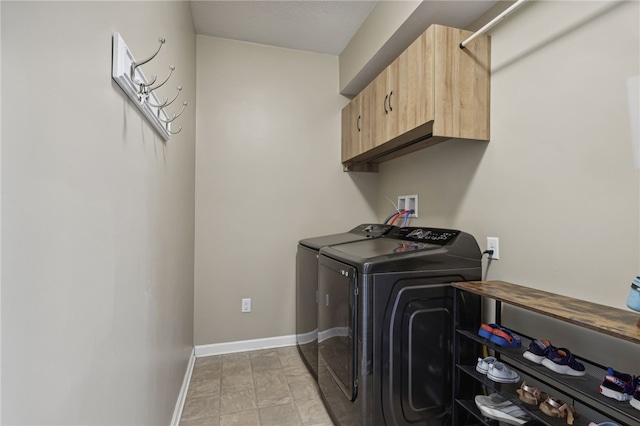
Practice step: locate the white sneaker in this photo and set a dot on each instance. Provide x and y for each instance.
(483, 364)
(498, 372)
(496, 406)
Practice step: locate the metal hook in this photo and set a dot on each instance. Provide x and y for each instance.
(145, 89)
(166, 102)
(171, 69)
(184, 106)
(135, 64)
(145, 86)
(175, 133)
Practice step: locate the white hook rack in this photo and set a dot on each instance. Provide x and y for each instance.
(129, 76)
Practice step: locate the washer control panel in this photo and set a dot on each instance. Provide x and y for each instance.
(428, 235)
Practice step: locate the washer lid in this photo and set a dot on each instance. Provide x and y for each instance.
(410, 249)
(360, 232)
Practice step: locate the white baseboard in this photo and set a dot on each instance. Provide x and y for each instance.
(333, 332)
(182, 396)
(245, 345)
(309, 337)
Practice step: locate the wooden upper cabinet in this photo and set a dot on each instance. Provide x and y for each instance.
(434, 91)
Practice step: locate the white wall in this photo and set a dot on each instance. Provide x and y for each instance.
(556, 182)
(97, 217)
(268, 174)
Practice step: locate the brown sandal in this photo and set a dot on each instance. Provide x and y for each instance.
(557, 408)
(530, 395)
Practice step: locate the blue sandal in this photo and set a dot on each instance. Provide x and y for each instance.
(562, 361)
(504, 337)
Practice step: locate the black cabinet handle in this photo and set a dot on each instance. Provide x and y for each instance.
(390, 109)
(358, 123)
(385, 104)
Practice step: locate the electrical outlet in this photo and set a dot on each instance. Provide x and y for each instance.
(408, 202)
(246, 304)
(493, 244)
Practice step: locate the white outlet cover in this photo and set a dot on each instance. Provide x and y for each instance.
(409, 202)
(246, 304)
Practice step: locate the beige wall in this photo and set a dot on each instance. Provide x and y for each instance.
(381, 24)
(556, 183)
(97, 217)
(268, 173)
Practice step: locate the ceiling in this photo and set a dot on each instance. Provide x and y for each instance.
(314, 26)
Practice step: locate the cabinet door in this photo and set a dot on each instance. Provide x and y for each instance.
(379, 91)
(357, 126)
(403, 95)
(413, 98)
(351, 129)
(392, 96)
(367, 120)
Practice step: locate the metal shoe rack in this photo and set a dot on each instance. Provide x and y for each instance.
(583, 392)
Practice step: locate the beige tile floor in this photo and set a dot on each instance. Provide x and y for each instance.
(265, 387)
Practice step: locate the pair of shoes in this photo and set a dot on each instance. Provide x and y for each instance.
(549, 405)
(555, 407)
(530, 395)
(559, 360)
(499, 335)
(496, 406)
(619, 386)
(496, 371)
(538, 351)
(562, 361)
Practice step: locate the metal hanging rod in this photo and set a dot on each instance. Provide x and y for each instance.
(493, 22)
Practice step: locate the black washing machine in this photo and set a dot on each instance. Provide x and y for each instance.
(307, 286)
(385, 326)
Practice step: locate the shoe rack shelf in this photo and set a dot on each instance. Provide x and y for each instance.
(614, 322)
(581, 391)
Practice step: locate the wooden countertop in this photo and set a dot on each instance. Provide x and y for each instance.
(604, 319)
